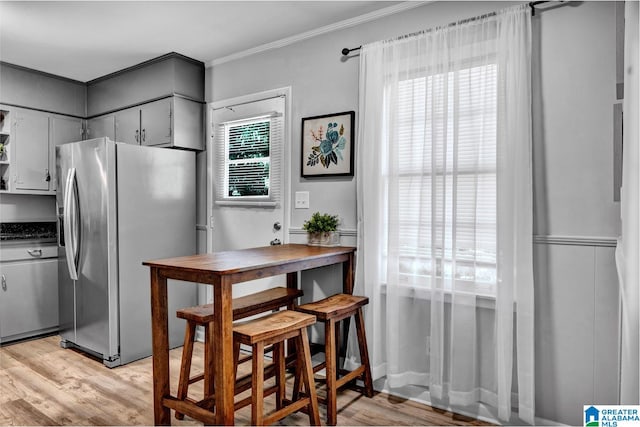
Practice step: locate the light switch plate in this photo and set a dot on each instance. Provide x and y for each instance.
(302, 200)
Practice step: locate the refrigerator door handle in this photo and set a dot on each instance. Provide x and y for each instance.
(71, 225)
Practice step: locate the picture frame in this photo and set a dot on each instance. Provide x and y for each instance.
(327, 145)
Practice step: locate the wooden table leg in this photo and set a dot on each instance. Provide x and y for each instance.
(222, 339)
(160, 347)
(292, 280)
(348, 282)
(292, 283)
(348, 273)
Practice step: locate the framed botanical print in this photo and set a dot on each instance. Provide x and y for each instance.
(327, 145)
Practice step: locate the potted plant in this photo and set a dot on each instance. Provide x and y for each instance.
(322, 229)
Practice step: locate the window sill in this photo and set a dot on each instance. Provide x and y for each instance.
(247, 203)
(482, 301)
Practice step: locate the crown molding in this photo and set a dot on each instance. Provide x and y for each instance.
(351, 22)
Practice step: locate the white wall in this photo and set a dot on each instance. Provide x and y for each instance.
(574, 91)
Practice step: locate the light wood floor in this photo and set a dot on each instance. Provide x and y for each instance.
(43, 384)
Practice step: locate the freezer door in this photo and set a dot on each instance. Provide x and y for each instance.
(66, 300)
(86, 211)
(156, 219)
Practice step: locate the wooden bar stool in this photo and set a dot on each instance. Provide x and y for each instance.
(275, 329)
(331, 311)
(202, 315)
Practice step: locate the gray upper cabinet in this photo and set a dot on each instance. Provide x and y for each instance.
(102, 126)
(30, 136)
(169, 122)
(187, 124)
(34, 137)
(155, 123)
(62, 129)
(128, 126)
(168, 75)
(159, 102)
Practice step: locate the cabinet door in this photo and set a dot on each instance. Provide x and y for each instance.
(63, 129)
(128, 126)
(99, 127)
(155, 122)
(30, 140)
(188, 124)
(28, 298)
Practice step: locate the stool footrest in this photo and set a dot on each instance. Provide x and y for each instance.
(287, 410)
(196, 378)
(247, 400)
(190, 409)
(355, 374)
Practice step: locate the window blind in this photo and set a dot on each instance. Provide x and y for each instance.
(446, 148)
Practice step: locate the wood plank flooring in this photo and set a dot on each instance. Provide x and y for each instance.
(43, 384)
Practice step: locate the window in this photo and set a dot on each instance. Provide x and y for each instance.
(248, 154)
(247, 158)
(446, 207)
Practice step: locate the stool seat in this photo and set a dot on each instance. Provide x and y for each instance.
(335, 307)
(248, 305)
(273, 326)
(330, 311)
(274, 329)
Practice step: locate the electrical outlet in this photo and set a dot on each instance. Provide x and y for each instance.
(302, 200)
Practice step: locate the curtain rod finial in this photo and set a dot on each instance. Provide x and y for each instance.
(345, 51)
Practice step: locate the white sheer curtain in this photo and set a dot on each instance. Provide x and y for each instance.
(445, 212)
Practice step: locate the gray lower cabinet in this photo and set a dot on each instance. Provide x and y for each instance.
(29, 291)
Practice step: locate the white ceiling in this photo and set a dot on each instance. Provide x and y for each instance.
(83, 40)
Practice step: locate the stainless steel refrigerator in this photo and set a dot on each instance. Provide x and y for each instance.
(117, 206)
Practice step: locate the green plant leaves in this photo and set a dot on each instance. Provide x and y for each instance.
(321, 223)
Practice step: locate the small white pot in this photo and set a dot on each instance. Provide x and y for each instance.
(324, 238)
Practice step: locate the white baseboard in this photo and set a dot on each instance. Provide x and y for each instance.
(421, 395)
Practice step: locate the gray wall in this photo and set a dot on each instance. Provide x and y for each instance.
(33, 89)
(26, 207)
(575, 217)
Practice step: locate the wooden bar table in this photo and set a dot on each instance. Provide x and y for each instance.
(222, 270)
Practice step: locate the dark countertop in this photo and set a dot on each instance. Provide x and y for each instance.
(10, 231)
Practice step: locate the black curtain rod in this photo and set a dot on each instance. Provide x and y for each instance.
(346, 51)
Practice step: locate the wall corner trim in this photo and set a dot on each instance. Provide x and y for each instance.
(575, 240)
(343, 232)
